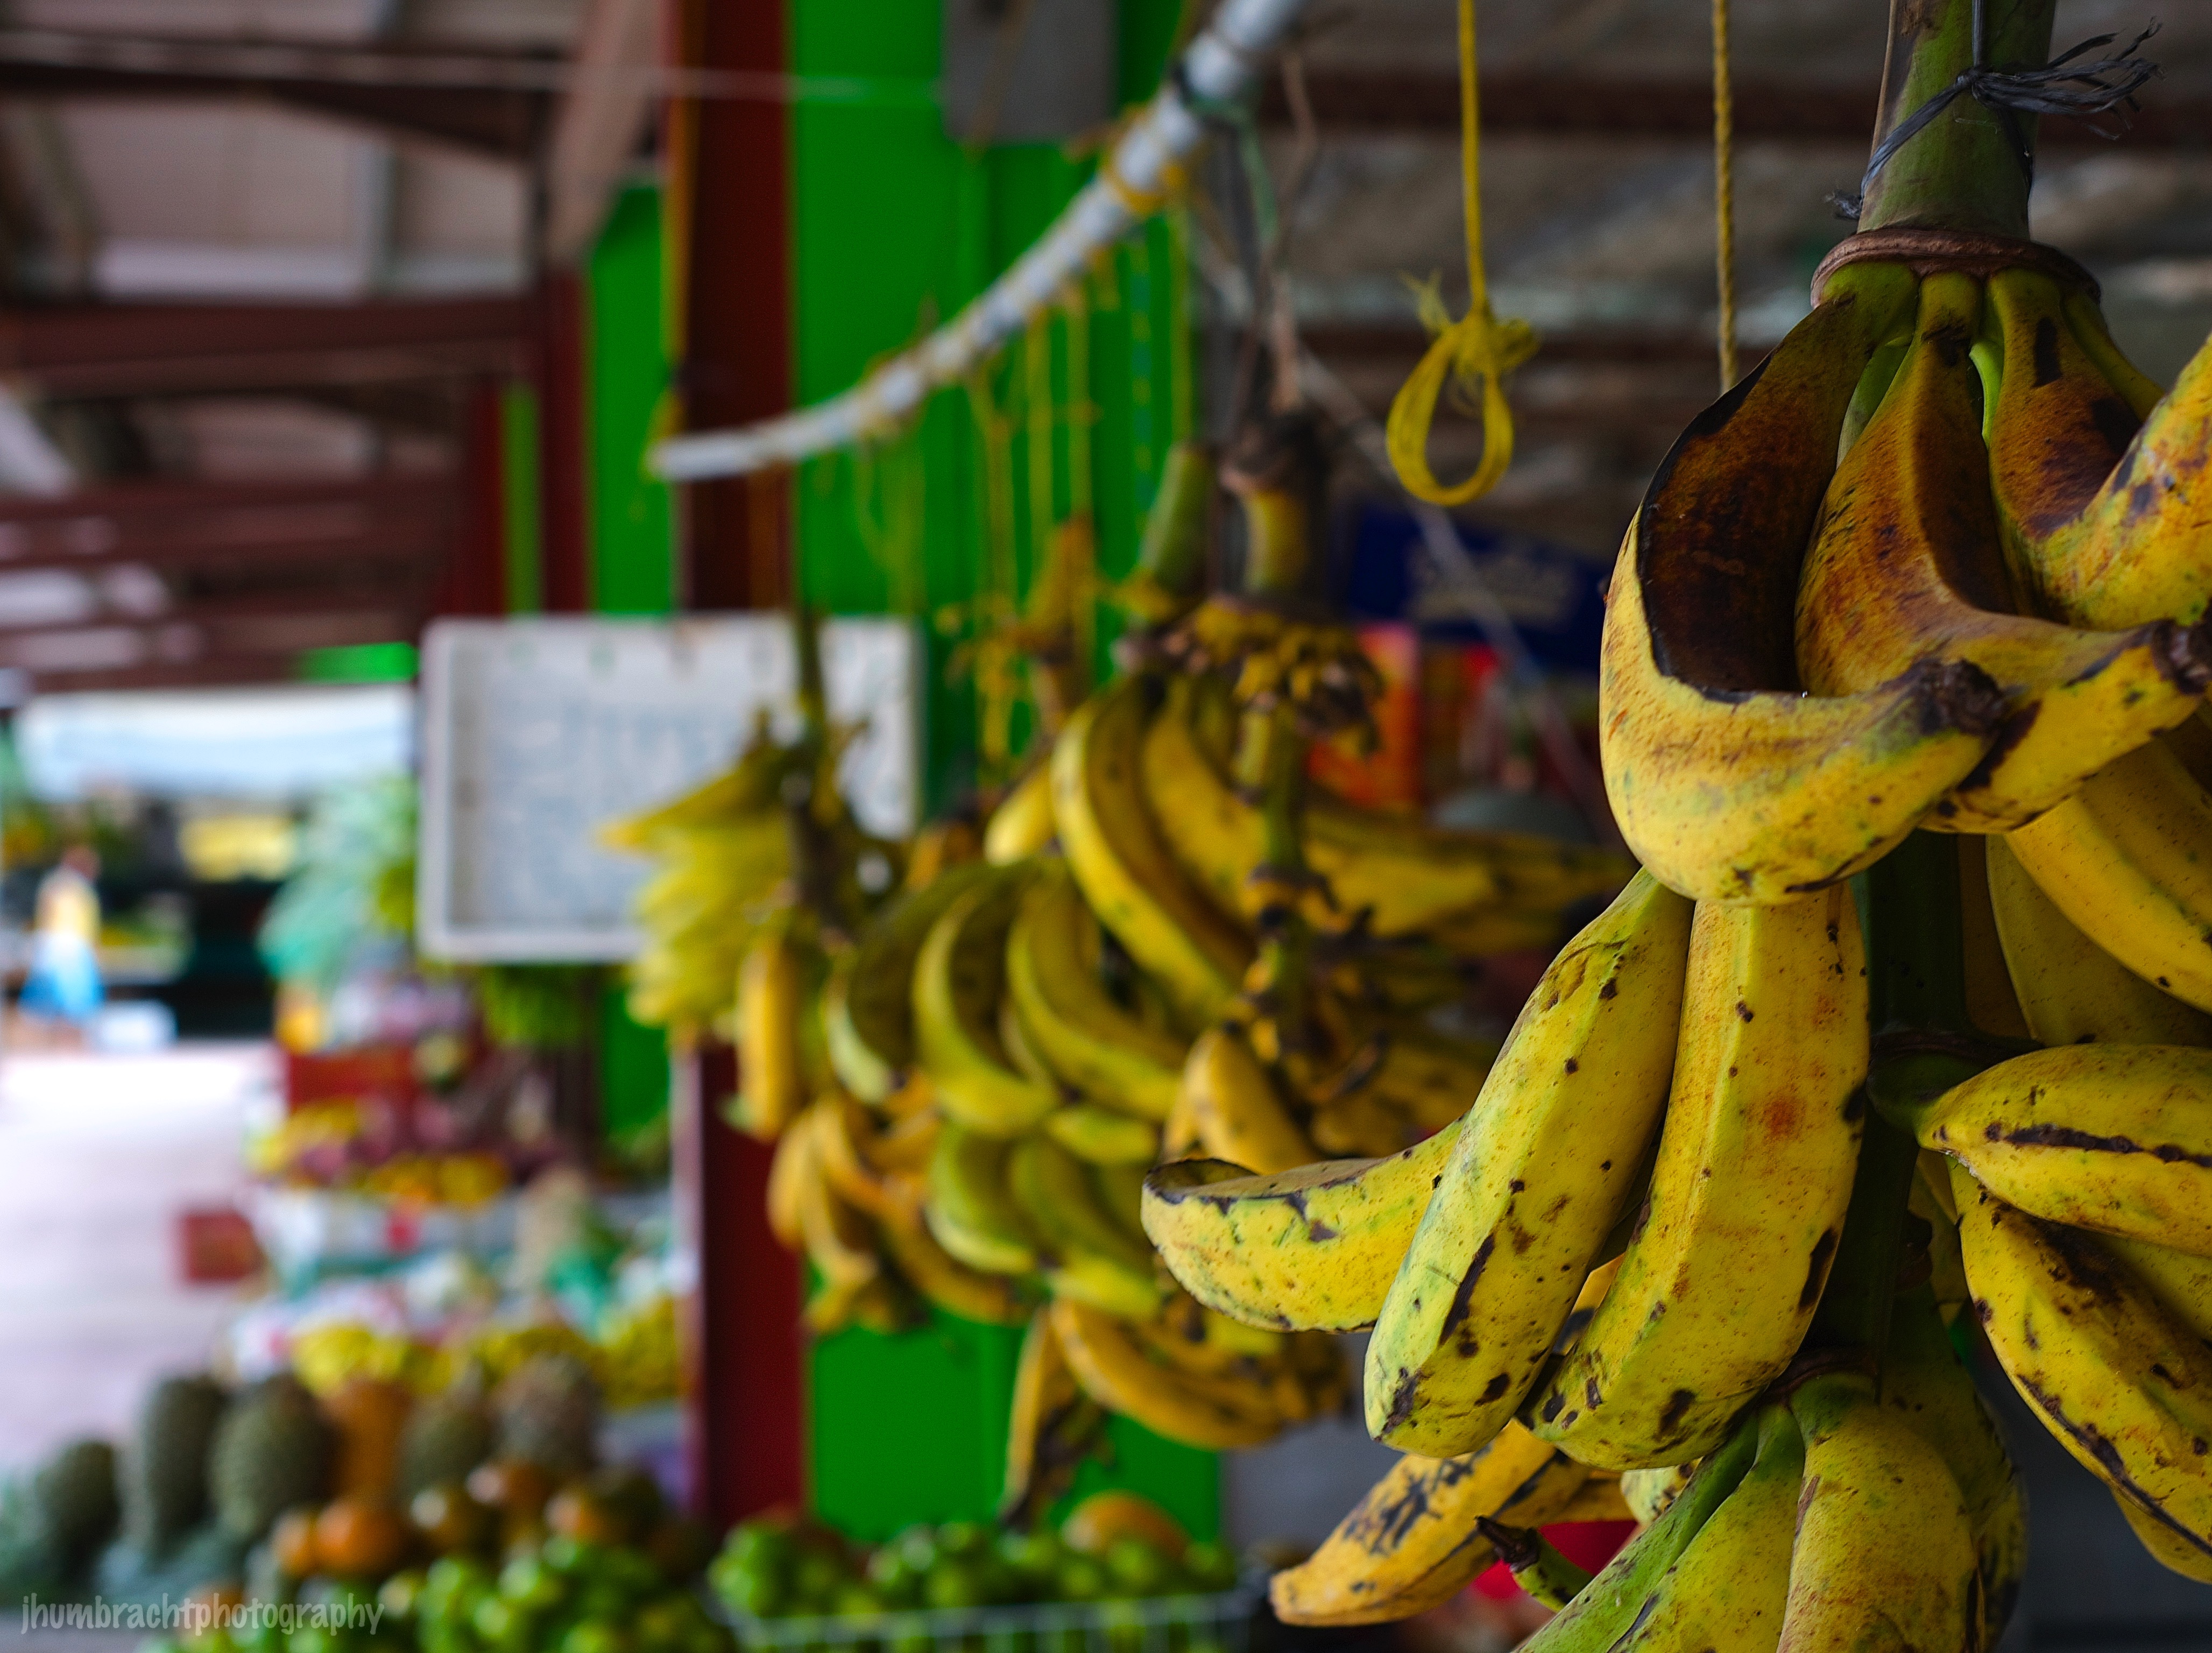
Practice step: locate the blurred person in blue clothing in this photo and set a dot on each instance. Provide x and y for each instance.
(63, 983)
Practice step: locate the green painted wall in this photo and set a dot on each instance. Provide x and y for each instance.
(630, 552)
(894, 227)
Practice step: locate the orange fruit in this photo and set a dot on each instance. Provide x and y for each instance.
(1093, 1525)
(582, 1513)
(516, 1487)
(360, 1538)
(450, 1521)
(293, 1541)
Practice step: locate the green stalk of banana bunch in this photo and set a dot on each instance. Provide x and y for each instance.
(1969, 167)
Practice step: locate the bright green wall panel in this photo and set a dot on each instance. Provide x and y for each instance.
(626, 371)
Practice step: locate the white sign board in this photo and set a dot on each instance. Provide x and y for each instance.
(536, 731)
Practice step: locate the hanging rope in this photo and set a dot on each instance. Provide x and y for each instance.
(1724, 191)
(1476, 352)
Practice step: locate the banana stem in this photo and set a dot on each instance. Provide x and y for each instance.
(1917, 984)
(1969, 167)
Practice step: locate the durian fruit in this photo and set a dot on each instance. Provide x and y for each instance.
(549, 1414)
(164, 1482)
(447, 1436)
(32, 1562)
(370, 1415)
(272, 1451)
(75, 1497)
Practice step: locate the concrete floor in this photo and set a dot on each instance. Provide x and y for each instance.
(98, 1154)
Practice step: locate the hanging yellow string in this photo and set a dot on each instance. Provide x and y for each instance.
(1477, 351)
(994, 662)
(1036, 394)
(1724, 191)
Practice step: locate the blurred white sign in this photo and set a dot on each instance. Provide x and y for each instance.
(536, 731)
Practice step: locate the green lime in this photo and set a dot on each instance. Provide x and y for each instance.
(762, 1595)
(892, 1576)
(1211, 1566)
(661, 1625)
(1136, 1568)
(1082, 1578)
(495, 1618)
(954, 1584)
(398, 1595)
(1035, 1557)
(963, 1538)
(311, 1639)
(854, 1600)
(563, 1553)
(601, 1600)
(527, 1582)
(598, 1636)
(816, 1576)
(918, 1544)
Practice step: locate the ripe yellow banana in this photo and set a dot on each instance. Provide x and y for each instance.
(958, 978)
(2070, 990)
(868, 1005)
(1884, 1557)
(1313, 1250)
(993, 1299)
(1925, 1382)
(2109, 520)
(1085, 1251)
(2125, 857)
(1545, 1159)
(1647, 1492)
(1128, 875)
(1747, 1195)
(795, 1164)
(1729, 783)
(1430, 1078)
(2168, 1550)
(1906, 566)
(1074, 1026)
(970, 1210)
(843, 1132)
(1411, 1543)
(1022, 825)
(1218, 1414)
(839, 1240)
(1237, 1107)
(2124, 1387)
(2115, 1138)
(2180, 1281)
(772, 998)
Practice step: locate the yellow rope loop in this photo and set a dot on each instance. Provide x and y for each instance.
(1141, 204)
(1477, 351)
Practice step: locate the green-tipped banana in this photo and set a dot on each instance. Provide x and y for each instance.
(970, 1210)
(1103, 1136)
(867, 1008)
(1088, 1255)
(958, 976)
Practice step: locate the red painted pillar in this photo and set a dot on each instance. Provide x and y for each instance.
(473, 580)
(747, 1360)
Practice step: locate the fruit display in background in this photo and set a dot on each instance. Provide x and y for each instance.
(1114, 1546)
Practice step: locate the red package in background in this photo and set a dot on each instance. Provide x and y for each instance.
(1390, 776)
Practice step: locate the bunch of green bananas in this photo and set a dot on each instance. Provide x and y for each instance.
(1852, 604)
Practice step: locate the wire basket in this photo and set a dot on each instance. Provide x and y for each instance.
(1218, 1623)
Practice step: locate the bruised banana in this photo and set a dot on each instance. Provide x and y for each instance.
(1076, 1029)
(1085, 1251)
(1053, 1424)
(1127, 874)
(1627, 1588)
(867, 1006)
(2107, 521)
(1310, 1249)
(958, 979)
(1237, 1106)
(1545, 1160)
(1729, 783)
(1884, 1557)
(1217, 1414)
(1748, 1194)
(2070, 990)
(1906, 565)
(2125, 857)
(2124, 1387)
(2111, 1138)
(1411, 1543)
